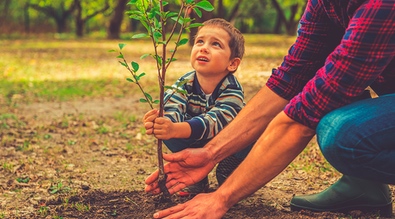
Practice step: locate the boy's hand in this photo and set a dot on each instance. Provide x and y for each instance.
(164, 128)
(149, 119)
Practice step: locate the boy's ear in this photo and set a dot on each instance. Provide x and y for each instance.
(234, 64)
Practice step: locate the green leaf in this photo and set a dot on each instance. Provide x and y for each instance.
(121, 45)
(205, 5)
(182, 91)
(180, 20)
(156, 102)
(112, 50)
(123, 64)
(132, 2)
(144, 56)
(148, 96)
(140, 35)
(120, 56)
(179, 84)
(171, 60)
(130, 80)
(170, 14)
(195, 25)
(141, 75)
(142, 100)
(198, 12)
(135, 66)
(168, 87)
(157, 36)
(182, 42)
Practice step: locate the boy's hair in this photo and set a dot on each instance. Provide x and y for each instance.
(236, 42)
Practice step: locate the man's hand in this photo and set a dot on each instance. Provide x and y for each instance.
(185, 168)
(204, 205)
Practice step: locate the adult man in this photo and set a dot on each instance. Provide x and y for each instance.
(343, 47)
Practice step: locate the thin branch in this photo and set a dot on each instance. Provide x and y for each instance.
(136, 79)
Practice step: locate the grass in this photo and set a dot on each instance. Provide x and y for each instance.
(60, 69)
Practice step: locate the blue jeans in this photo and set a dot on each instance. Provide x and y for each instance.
(178, 144)
(359, 139)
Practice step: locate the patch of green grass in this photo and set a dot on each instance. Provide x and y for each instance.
(23, 179)
(81, 207)
(43, 211)
(8, 120)
(8, 166)
(58, 188)
(46, 69)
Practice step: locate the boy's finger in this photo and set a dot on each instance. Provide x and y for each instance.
(148, 125)
(150, 113)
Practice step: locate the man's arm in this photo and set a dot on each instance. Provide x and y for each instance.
(248, 125)
(282, 141)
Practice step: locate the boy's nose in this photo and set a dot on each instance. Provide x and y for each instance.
(204, 49)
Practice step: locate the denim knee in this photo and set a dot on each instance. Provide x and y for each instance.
(328, 135)
(358, 139)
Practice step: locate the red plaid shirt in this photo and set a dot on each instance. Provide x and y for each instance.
(343, 47)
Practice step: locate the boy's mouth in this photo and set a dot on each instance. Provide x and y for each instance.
(203, 59)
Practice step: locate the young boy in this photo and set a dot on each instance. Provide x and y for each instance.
(213, 97)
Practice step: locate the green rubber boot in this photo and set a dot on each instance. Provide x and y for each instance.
(347, 194)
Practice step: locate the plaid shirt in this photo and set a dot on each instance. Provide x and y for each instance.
(206, 117)
(343, 47)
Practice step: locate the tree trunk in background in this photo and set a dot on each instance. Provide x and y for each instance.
(220, 9)
(4, 14)
(59, 15)
(26, 17)
(277, 25)
(291, 24)
(205, 16)
(80, 21)
(233, 13)
(114, 27)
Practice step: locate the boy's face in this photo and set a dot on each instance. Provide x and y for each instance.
(210, 55)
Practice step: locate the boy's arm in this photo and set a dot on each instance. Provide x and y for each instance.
(165, 129)
(227, 105)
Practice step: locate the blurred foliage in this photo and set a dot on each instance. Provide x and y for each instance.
(252, 16)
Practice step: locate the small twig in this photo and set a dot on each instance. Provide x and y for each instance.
(136, 80)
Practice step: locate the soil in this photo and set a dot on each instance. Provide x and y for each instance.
(89, 158)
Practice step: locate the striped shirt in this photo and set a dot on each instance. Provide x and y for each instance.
(206, 117)
(343, 47)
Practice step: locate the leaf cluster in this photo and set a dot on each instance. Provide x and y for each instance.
(152, 15)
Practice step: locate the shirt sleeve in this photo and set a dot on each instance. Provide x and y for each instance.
(365, 48)
(316, 39)
(176, 104)
(226, 107)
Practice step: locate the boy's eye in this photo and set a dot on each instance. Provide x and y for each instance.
(199, 42)
(217, 44)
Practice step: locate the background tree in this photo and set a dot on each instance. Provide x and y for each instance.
(43, 16)
(294, 8)
(85, 10)
(114, 27)
(228, 12)
(60, 11)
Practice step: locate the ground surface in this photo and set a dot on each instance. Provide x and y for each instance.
(88, 159)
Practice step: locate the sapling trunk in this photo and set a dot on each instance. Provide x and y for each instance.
(161, 80)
